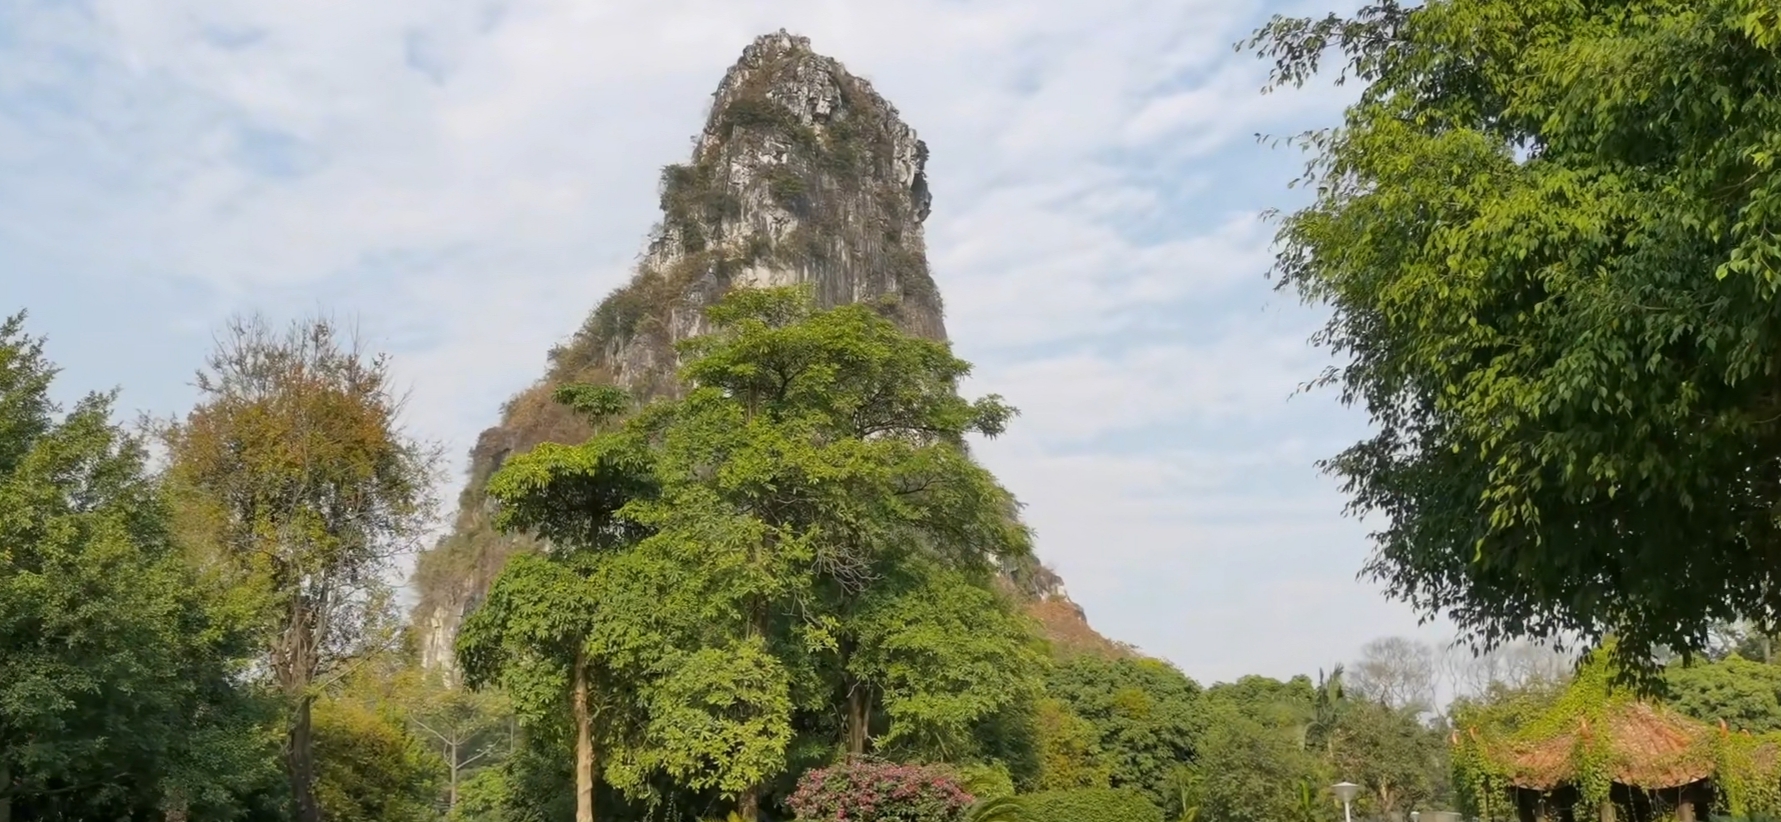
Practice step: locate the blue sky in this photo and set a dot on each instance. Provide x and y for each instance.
(468, 178)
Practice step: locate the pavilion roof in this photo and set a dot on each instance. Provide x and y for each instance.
(1648, 746)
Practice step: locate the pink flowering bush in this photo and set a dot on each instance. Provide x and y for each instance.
(863, 791)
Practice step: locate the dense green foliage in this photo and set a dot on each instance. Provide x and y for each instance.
(1546, 233)
(116, 665)
(1250, 770)
(371, 769)
(1745, 695)
(813, 469)
(1145, 717)
(1091, 805)
(129, 685)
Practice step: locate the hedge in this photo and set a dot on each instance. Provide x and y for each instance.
(1091, 805)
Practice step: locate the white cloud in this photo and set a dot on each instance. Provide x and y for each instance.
(470, 176)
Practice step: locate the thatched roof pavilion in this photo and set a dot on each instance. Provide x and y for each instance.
(1658, 763)
(1598, 753)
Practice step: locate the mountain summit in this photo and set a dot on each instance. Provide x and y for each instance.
(803, 175)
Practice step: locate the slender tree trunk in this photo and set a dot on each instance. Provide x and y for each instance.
(451, 796)
(584, 744)
(300, 763)
(859, 705)
(294, 658)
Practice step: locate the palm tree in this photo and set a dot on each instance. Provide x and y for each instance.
(1326, 707)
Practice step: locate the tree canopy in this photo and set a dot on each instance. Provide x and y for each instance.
(796, 554)
(1546, 236)
(117, 663)
(301, 483)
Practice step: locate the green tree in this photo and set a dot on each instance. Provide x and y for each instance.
(1329, 701)
(470, 730)
(1399, 762)
(1146, 715)
(943, 653)
(299, 478)
(370, 768)
(1249, 771)
(119, 675)
(812, 467)
(1291, 705)
(1090, 805)
(1745, 695)
(1070, 754)
(1546, 236)
(540, 632)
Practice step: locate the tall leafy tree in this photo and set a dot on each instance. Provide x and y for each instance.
(538, 633)
(119, 679)
(1398, 761)
(1546, 235)
(812, 476)
(1291, 704)
(306, 485)
(1069, 749)
(942, 653)
(531, 636)
(1146, 715)
(470, 730)
(1248, 770)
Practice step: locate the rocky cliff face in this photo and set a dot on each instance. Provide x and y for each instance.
(802, 175)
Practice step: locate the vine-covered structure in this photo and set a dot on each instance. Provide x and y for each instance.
(1602, 753)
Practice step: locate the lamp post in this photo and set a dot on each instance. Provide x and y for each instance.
(1346, 791)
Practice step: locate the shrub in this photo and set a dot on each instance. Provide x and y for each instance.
(1091, 805)
(862, 791)
(785, 186)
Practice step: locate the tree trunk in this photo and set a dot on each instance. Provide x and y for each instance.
(584, 744)
(451, 796)
(300, 763)
(859, 705)
(748, 806)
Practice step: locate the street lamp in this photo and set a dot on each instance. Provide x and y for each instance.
(1346, 791)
